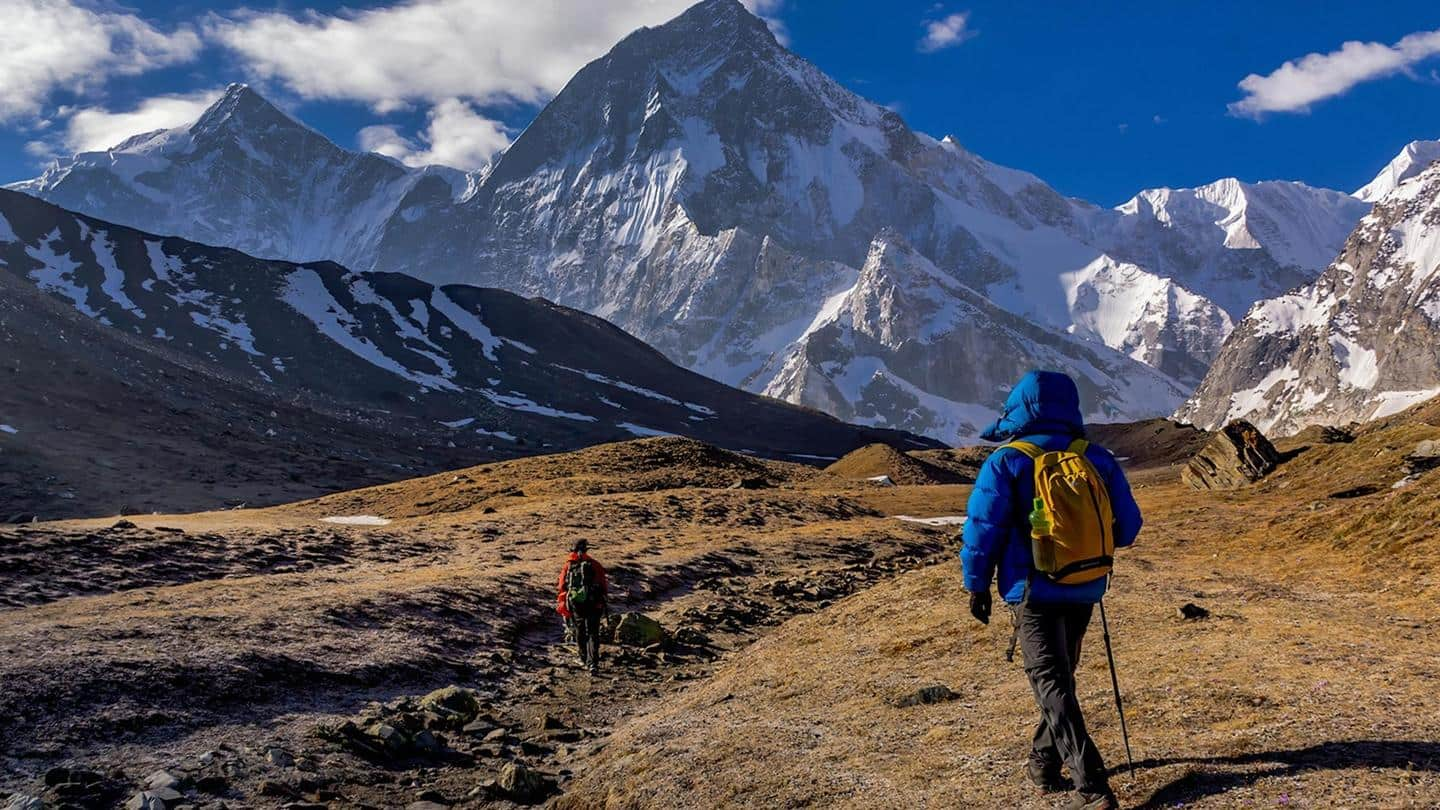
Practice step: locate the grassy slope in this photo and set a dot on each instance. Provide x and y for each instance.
(1312, 683)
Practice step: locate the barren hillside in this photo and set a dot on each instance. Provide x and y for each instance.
(277, 658)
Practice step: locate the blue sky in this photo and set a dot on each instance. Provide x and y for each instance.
(1099, 100)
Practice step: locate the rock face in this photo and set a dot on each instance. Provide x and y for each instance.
(481, 364)
(1238, 455)
(1358, 344)
(719, 197)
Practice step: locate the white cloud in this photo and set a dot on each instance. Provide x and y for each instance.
(769, 11)
(94, 128)
(432, 50)
(946, 32)
(457, 136)
(1298, 83)
(47, 45)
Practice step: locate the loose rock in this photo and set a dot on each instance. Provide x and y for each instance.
(1192, 612)
(927, 695)
(638, 630)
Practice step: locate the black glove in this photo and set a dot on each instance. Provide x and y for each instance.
(980, 606)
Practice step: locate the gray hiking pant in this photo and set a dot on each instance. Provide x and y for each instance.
(1050, 635)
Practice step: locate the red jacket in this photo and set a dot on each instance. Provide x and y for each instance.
(561, 603)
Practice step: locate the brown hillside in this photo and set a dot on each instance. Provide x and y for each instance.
(640, 465)
(1151, 443)
(1310, 684)
(874, 460)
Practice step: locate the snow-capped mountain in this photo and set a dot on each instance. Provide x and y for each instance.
(713, 194)
(909, 346)
(482, 366)
(1416, 157)
(1231, 241)
(1360, 343)
(248, 176)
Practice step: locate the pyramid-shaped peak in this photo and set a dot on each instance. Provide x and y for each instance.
(240, 105)
(720, 21)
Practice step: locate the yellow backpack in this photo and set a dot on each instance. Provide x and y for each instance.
(1071, 497)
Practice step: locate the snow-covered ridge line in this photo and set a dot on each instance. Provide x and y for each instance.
(478, 363)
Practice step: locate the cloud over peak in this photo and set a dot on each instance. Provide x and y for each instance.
(1314, 77)
(49, 45)
(946, 32)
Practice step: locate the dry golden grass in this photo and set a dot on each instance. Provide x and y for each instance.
(1312, 684)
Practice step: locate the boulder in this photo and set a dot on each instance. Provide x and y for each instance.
(20, 801)
(638, 630)
(1424, 458)
(452, 706)
(520, 784)
(1238, 455)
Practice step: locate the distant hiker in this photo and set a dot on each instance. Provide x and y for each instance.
(583, 601)
(1049, 537)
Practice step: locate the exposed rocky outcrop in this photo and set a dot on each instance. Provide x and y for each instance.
(1238, 455)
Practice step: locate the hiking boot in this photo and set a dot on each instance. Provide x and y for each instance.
(1084, 800)
(1047, 776)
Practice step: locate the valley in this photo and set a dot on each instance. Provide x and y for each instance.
(800, 611)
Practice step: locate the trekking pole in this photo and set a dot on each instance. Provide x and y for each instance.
(1115, 683)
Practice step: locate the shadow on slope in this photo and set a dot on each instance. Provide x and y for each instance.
(1409, 755)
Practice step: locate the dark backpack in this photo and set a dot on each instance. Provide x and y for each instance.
(580, 590)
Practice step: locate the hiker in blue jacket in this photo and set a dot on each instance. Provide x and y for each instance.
(1050, 618)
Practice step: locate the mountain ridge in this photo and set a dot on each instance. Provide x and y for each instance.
(709, 191)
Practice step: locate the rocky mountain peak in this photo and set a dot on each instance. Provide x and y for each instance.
(241, 111)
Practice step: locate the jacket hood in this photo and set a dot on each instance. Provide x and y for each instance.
(1042, 402)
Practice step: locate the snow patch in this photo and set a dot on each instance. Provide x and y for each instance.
(520, 403)
(357, 520)
(942, 520)
(641, 430)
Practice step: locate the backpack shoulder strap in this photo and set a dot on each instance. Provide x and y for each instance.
(1031, 450)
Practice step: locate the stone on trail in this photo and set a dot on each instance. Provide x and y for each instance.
(1238, 455)
(452, 706)
(145, 800)
(1192, 612)
(928, 695)
(638, 630)
(162, 779)
(521, 784)
(20, 801)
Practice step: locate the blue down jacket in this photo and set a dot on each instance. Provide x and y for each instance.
(1044, 409)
